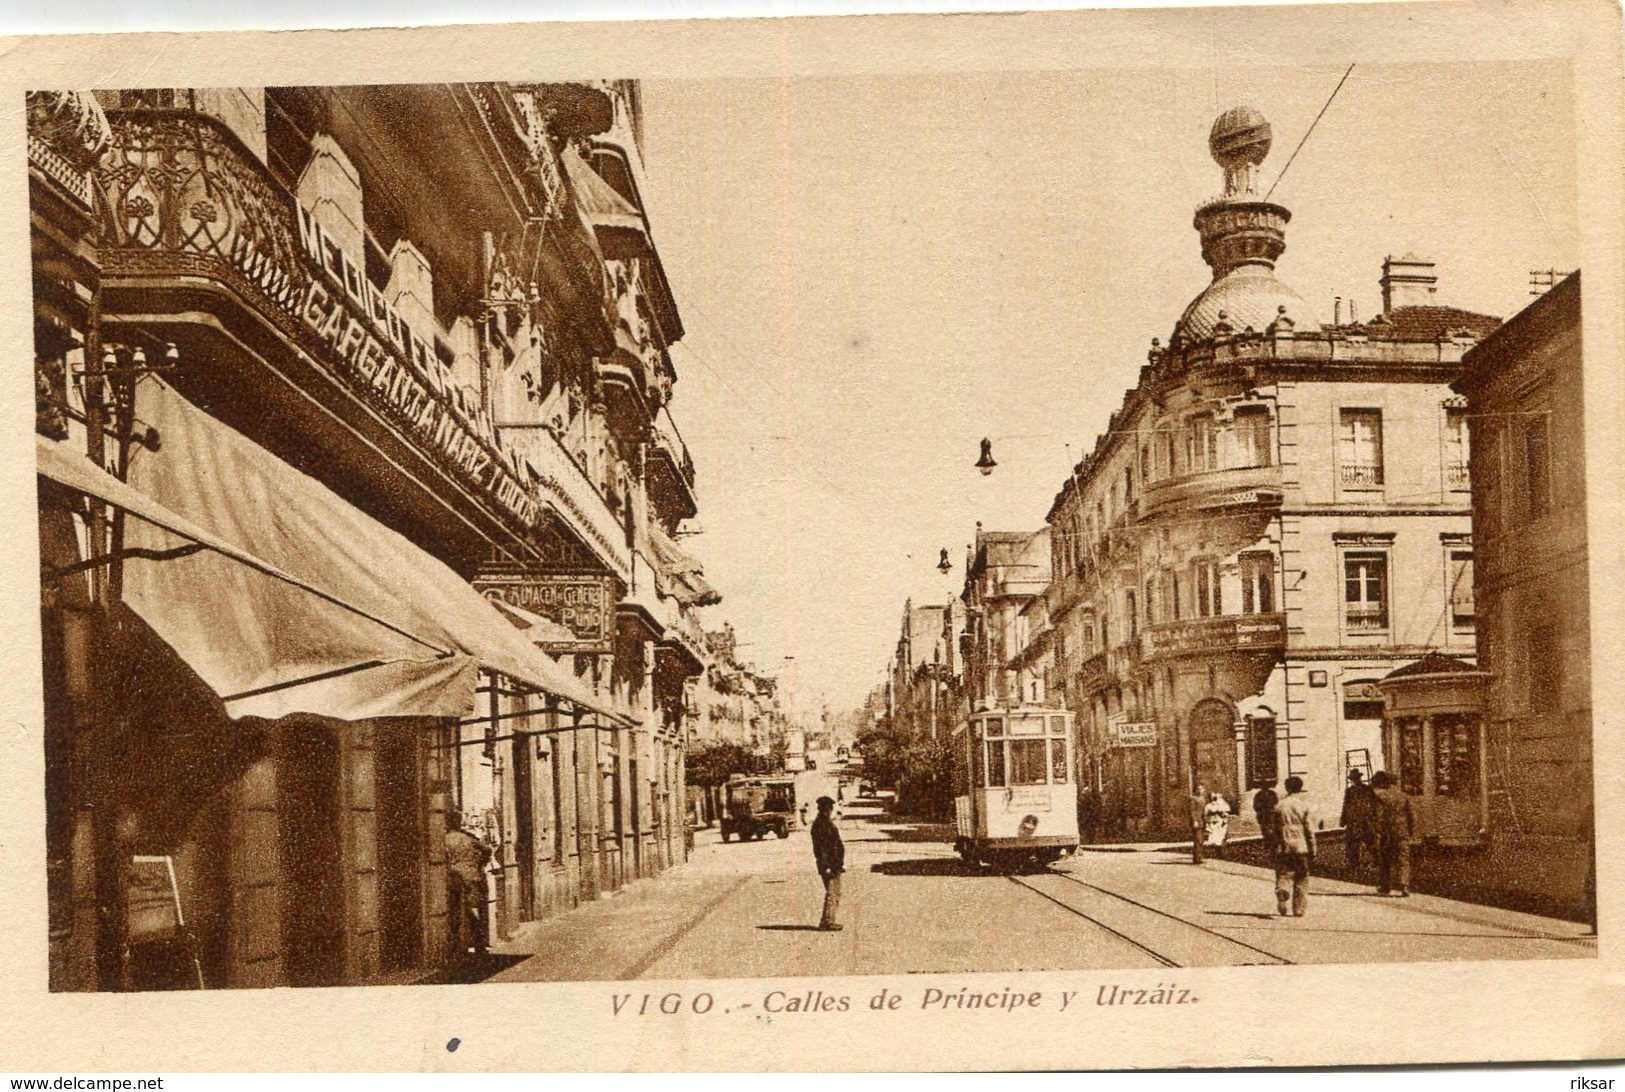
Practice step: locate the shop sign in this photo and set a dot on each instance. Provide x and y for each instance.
(1125, 733)
(582, 604)
(374, 344)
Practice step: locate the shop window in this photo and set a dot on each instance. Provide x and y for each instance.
(1257, 583)
(1462, 609)
(1250, 434)
(1455, 756)
(1410, 756)
(1365, 592)
(1359, 451)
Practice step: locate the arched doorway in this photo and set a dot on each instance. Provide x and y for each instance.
(1213, 746)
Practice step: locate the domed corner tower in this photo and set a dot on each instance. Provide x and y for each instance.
(1242, 236)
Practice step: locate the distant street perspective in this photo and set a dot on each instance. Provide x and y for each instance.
(912, 906)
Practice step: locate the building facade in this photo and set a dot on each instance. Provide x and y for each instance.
(446, 428)
(921, 703)
(1275, 518)
(1524, 391)
(1006, 571)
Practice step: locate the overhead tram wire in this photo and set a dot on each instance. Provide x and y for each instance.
(1308, 131)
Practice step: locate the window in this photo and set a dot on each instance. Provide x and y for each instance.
(1455, 755)
(1537, 476)
(1257, 583)
(1455, 448)
(1167, 462)
(1205, 581)
(1128, 484)
(1360, 448)
(1201, 445)
(1150, 600)
(1262, 768)
(1174, 603)
(1145, 463)
(1133, 614)
(1029, 761)
(1460, 571)
(1365, 591)
(995, 764)
(1057, 761)
(1410, 756)
(1251, 437)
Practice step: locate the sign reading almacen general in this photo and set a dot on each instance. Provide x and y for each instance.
(582, 605)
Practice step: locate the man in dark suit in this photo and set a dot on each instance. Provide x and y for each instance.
(830, 853)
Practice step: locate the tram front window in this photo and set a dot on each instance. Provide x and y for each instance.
(995, 763)
(1028, 761)
(1057, 761)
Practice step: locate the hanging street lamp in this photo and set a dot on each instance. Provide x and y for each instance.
(986, 463)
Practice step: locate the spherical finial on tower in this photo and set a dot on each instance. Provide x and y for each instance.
(1240, 135)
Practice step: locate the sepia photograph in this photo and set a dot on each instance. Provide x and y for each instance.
(1045, 529)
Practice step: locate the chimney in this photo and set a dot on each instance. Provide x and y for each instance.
(1407, 282)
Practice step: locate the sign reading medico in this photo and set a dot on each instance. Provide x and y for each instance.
(1126, 733)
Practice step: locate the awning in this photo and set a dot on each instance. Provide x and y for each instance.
(616, 221)
(535, 627)
(300, 602)
(682, 575)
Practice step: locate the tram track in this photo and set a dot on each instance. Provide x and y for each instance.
(1169, 939)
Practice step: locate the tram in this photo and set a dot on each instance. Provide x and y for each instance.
(1015, 804)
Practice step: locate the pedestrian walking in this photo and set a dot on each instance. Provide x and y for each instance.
(1216, 824)
(1295, 852)
(1359, 822)
(1269, 823)
(1396, 829)
(466, 858)
(1198, 805)
(830, 854)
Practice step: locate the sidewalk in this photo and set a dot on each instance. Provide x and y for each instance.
(1345, 922)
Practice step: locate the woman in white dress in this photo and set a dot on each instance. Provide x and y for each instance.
(1217, 822)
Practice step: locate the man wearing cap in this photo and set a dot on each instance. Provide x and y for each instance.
(830, 853)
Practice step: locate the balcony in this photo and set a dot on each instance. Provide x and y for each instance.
(1093, 673)
(671, 471)
(196, 225)
(1213, 636)
(1233, 487)
(1361, 475)
(1366, 617)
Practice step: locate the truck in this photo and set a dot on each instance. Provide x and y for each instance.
(757, 805)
